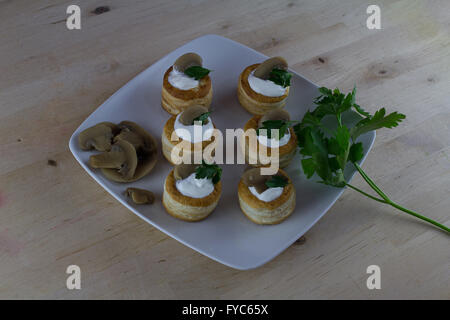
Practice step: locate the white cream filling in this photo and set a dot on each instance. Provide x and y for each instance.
(274, 143)
(268, 194)
(193, 133)
(182, 81)
(265, 87)
(195, 188)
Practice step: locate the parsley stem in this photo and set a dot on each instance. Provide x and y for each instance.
(339, 119)
(389, 201)
(364, 193)
(371, 183)
(415, 214)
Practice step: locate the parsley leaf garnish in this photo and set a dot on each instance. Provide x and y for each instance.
(277, 181)
(209, 171)
(326, 150)
(197, 72)
(378, 120)
(203, 118)
(328, 155)
(280, 77)
(281, 125)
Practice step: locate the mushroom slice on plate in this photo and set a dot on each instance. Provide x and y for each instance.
(122, 158)
(147, 155)
(140, 196)
(187, 60)
(97, 137)
(114, 127)
(187, 116)
(135, 134)
(182, 171)
(264, 69)
(276, 114)
(132, 137)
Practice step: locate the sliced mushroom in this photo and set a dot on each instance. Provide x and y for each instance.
(122, 158)
(188, 115)
(264, 69)
(114, 127)
(276, 114)
(187, 60)
(248, 167)
(182, 171)
(140, 196)
(147, 155)
(137, 136)
(97, 137)
(136, 140)
(253, 178)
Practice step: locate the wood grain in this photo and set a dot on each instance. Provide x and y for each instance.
(52, 214)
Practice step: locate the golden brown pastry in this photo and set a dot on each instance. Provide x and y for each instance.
(184, 121)
(190, 199)
(262, 204)
(180, 91)
(256, 77)
(287, 144)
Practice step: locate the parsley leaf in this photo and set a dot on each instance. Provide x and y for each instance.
(277, 181)
(356, 152)
(333, 102)
(209, 171)
(281, 125)
(309, 167)
(203, 118)
(315, 145)
(361, 111)
(280, 77)
(357, 108)
(377, 121)
(197, 72)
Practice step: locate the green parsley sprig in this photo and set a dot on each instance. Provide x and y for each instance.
(280, 77)
(197, 72)
(276, 181)
(328, 155)
(203, 118)
(210, 171)
(281, 125)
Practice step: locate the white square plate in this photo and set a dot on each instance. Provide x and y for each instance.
(226, 236)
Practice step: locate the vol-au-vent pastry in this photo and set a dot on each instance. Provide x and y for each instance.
(190, 130)
(186, 83)
(285, 143)
(264, 86)
(192, 192)
(266, 199)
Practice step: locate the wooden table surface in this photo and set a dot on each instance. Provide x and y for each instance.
(52, 214)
